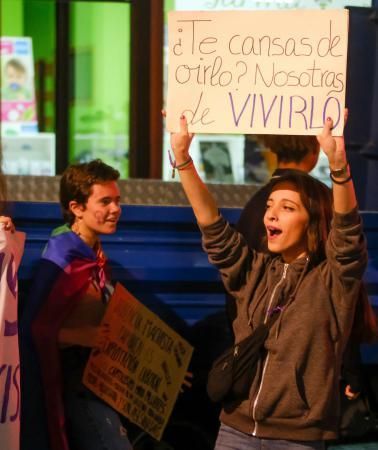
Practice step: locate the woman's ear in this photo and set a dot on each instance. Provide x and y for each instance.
(76, 209)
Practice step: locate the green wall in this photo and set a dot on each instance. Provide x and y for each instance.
(100, 40)
(11, 17)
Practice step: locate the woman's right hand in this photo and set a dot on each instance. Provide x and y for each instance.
(203, 203)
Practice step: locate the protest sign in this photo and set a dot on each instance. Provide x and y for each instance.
(252, 72)
(11, 250)
(141, 364)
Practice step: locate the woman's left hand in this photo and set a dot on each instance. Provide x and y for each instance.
(8, 224)
(333, 146)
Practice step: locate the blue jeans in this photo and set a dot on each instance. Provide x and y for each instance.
(231, 439)
(91, 424)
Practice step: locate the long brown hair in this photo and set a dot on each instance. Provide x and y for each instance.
(317, 200)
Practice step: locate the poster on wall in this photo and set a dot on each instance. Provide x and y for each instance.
(257, 72)
(140, 365)
(18, 104)
(11, 250)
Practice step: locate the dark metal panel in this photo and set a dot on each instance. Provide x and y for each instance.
(146, 89)
(62, 96)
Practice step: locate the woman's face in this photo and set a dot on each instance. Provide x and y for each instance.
(286, 221)
(101, 213)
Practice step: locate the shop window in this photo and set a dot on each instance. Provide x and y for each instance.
(28, 87)
(43, 127)
(100, 83)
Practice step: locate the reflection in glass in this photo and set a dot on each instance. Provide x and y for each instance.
(100, 90)
(28, 86)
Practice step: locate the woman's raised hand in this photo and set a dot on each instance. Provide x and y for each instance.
(344, 196)
(200, 198)
(333, 146)
(180, 142)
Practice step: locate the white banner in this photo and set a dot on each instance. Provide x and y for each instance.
(11, 250)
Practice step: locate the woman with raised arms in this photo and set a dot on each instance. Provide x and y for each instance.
(305, 289)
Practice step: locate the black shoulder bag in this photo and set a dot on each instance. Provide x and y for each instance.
(232, 373)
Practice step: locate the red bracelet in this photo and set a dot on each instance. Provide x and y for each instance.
(188, 165)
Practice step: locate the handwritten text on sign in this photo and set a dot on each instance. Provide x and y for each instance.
(11, 249)
(277, 72)
(141, 366)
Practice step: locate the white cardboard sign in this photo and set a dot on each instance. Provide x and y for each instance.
(253, 72)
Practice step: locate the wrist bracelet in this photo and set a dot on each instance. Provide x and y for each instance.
(178, 166)
(185, 165)
(340, 172)
(342, 181)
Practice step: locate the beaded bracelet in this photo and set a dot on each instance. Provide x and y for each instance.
(181, 166)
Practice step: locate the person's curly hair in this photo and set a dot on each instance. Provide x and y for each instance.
(77, 181)
(289, 148)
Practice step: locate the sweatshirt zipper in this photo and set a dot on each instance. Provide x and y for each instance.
(286, 265)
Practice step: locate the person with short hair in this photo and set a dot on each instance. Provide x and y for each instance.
(60, 323)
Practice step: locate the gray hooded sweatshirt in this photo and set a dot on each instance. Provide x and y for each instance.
(295, 395)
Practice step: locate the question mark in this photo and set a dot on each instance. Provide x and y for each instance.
(245, 69)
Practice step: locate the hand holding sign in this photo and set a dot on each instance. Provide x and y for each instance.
(139, 365)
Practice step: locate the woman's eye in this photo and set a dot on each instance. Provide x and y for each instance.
(288, 208)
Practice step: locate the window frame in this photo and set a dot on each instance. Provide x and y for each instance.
(146, 86)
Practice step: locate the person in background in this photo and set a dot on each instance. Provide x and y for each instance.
(306, 288)
(60, 323)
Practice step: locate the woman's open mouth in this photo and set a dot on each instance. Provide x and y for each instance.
(273, 232)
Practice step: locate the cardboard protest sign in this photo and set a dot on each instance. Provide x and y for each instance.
(11, 250)
(141, 364)
(252, 72)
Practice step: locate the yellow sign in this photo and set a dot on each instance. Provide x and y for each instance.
(251, 72)
(141, 364)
